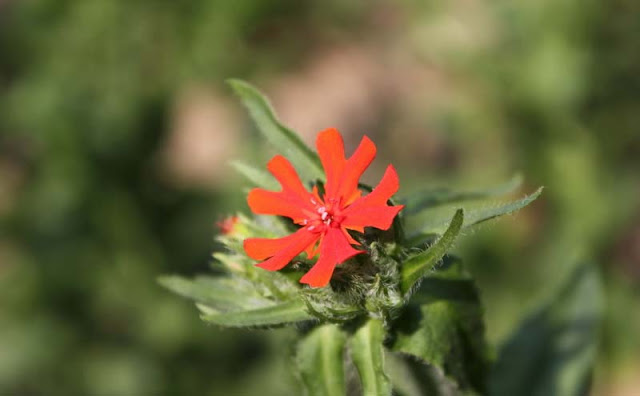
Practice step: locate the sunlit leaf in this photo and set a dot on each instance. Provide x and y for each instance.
(284, 139)
(320, 361)
(219, 293)
(552, 352)
(429, 198)
(415, 267)
(367, 353)
(434, 221)
(274, 315)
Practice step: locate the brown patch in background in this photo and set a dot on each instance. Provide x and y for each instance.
(204, 136)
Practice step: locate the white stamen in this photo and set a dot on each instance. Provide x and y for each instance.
(312, 228)
(322, 209)
(324, 215)
(305, 221)
(313, 201)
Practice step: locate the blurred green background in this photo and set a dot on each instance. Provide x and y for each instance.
(116, 130)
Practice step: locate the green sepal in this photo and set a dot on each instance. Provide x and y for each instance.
(320, 360)
(418, 265)
(288, 143)
(367, 352)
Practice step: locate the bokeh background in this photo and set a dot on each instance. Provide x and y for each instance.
(116, 130)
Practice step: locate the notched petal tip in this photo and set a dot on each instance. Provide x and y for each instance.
(330, 148)
(286, 174)
(354, 168)
(329, 134)
(391, 178)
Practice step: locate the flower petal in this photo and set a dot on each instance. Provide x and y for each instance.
(389, 185)
(334, 250)
(313, 249)
(277, 203)
(372, 210)
(349, 237)
(353, 169)
(263, 248)
(293, 201)
(287, 176)
(287, 248)
(331, 151)
(372, 216)
(360, 229)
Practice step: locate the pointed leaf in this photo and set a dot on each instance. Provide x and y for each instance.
(553, 350)
(434, 221)
(285, 140)
(320, 360)
(367, 352)
(274, 315)
(415, 267)
(443, 327)
(427, 199)
(479, 215)
(256, 176)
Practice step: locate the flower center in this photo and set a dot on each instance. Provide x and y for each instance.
(326, 215)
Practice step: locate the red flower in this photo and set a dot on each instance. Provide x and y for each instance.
(325, 220)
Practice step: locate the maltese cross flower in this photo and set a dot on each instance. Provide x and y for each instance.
(325, 220)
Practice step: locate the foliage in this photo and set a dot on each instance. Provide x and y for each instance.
(460, 96)
(395, 297)
(559, 340)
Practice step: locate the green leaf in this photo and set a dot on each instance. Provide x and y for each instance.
(320, 360)
(415, 267)
(443, 327)
(256, 176)
(285, 140)
(430, 198)
(401, 374)
(274, 315)
(367, 352)
(553, 350)
(221, 293)
(411, 377)
(434, 221)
